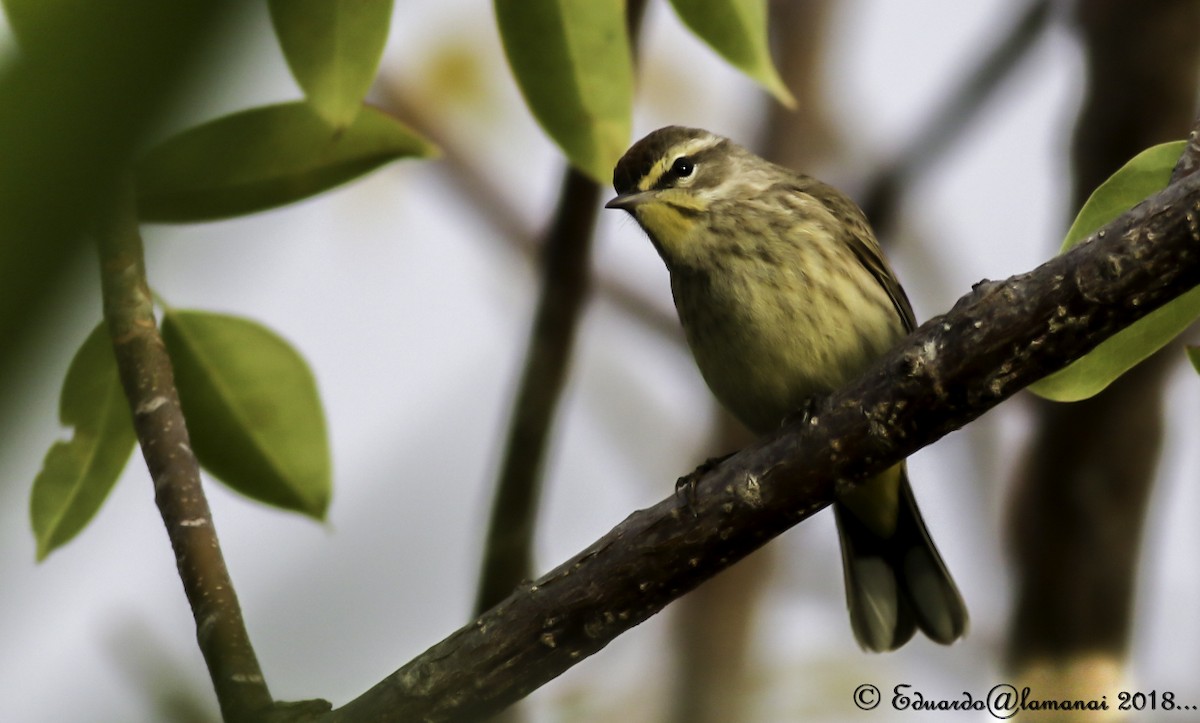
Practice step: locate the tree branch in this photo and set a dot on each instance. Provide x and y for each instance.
(149, 384)
(997, 339)
(508, 551)
(566, 264)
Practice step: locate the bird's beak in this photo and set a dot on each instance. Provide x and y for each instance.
(630, 201)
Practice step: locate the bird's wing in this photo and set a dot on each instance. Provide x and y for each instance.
(866, 248)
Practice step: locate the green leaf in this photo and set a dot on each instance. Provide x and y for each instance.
(252, 409)
(572, 61)
(263, 158)
(1147, 174)
(90, 85)
(77, 476)
(737, 30)
(333, 48)
(1193, 353)
(24, 18)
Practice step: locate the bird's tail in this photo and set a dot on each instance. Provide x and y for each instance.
(896, 581)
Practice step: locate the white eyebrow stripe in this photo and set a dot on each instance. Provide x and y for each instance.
(688, 148)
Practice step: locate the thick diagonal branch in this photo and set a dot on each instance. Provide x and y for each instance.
(997, 339)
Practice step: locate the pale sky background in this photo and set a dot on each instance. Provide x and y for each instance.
(413, 315)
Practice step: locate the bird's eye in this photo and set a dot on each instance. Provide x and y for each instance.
(683, 167)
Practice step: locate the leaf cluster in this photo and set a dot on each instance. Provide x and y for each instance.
(251, 402)
(253, 410)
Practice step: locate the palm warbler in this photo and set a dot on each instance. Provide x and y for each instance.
(784, 294)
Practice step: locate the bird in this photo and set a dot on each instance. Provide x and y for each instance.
(784, 295)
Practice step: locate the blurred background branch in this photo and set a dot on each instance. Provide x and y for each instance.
(565, 282)
(1082, 488)
(957, 110)
(566, 253)
(508, 550)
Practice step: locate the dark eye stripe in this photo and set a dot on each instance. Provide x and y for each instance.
(698, 158)
(667, 179)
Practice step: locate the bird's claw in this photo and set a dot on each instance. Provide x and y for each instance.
(685, 489)
(686, 486)
(806, 412)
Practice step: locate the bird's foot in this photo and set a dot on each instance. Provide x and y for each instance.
(685, 486)
(805, 413)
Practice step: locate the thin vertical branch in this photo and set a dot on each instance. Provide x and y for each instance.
(566, 261)
(804, 137)
(508, 552)
(149, 384)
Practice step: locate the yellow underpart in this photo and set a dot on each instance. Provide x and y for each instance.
(664, 220)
